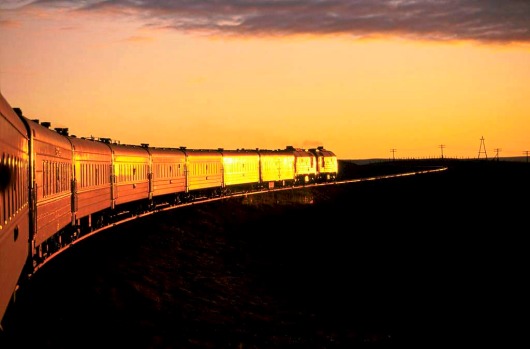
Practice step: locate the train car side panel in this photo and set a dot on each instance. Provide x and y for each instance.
(168, 171)
(52, 175)
(204, 169)
(130, 174)
(240, 167)
(276, 166)
(305, 166)
(327, 164)
(91, 181)
(14, 207)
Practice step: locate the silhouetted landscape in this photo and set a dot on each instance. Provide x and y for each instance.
(420, 260)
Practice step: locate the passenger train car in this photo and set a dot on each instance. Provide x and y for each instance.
(55, 187)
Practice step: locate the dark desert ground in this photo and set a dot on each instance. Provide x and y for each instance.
(430, 260)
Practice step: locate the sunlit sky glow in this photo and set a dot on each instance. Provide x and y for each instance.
(359, 77)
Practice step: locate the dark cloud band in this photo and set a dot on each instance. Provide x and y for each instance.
(482, 20)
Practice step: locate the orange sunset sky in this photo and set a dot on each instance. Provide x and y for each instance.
(360, 78)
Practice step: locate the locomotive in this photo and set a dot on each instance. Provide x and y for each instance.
(56, 187)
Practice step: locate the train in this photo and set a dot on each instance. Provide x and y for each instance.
(56, 187)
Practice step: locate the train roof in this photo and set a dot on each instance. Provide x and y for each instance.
(284, 152)
(320, 151)
(11, 116)
(88, 145)
(43, 133)
(166, 151)
(239, 152)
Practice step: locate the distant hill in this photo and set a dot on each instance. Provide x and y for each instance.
(352, 169)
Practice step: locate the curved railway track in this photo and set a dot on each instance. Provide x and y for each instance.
(127, 216)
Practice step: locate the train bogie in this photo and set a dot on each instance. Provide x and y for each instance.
(14, 207)
(276, 167)
(51, 158)
(204, 172)
(240, 168)
(168, 174)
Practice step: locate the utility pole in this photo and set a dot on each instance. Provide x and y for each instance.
(442, 149)
(526, 153)
(393, 154)
(482, 146)
(497, 153)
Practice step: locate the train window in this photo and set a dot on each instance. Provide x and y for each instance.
(64, 177)
(7, 192)
(45, 178)
(88, 174)
(5, 183)
(60, 177)
(53, 178)
(16, 189)
(2, 196)
(49, 177)
(49, 169)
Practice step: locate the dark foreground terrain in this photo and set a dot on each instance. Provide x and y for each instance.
(428, 260)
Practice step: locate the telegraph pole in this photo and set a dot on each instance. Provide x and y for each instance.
(393, 154)
(497, 153)
(441, 146)
(526, 153)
